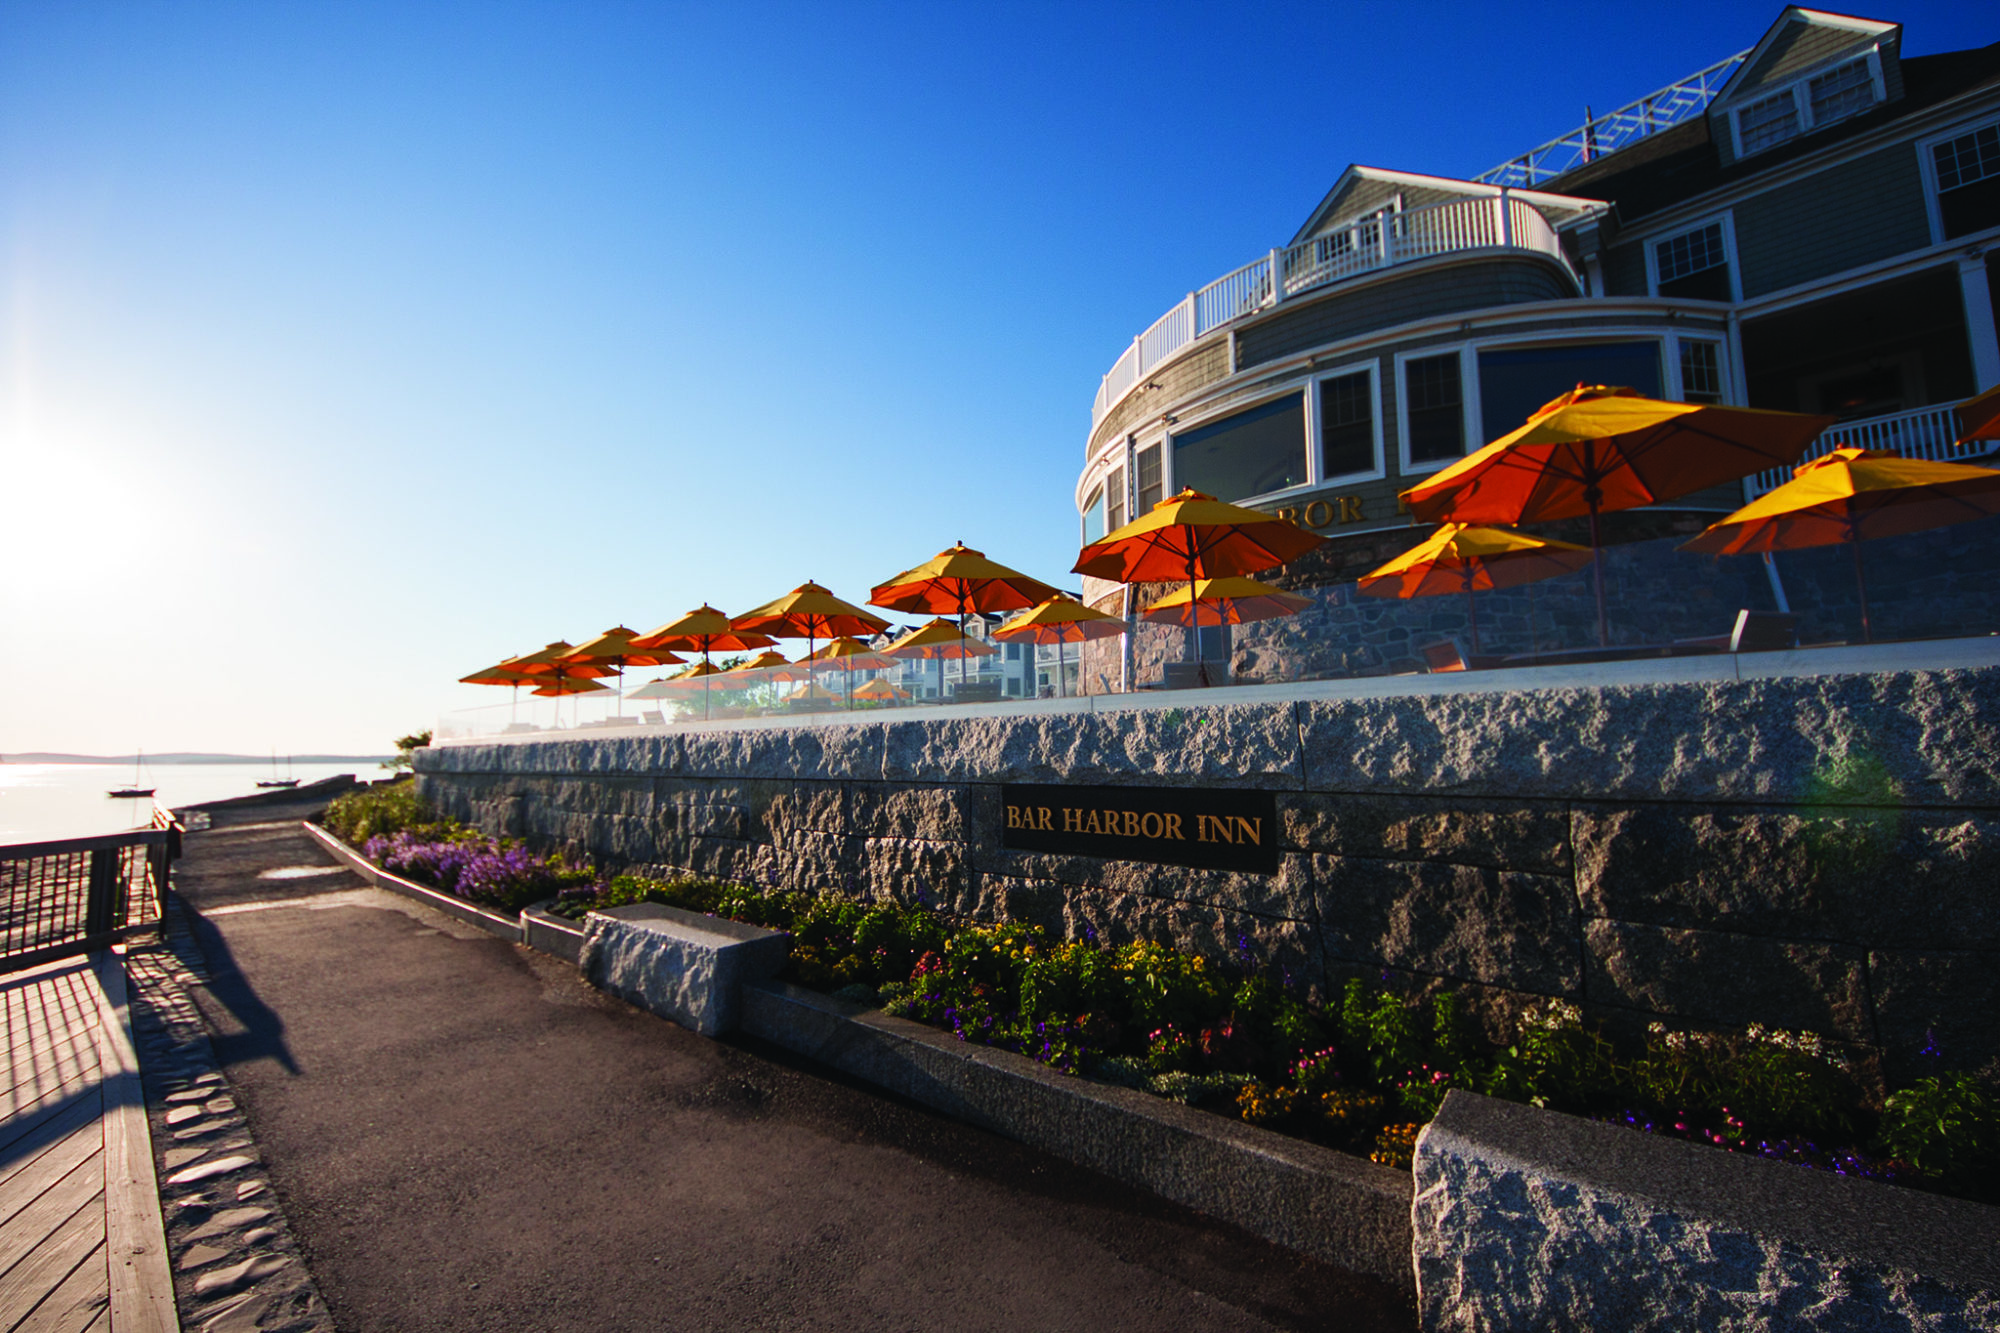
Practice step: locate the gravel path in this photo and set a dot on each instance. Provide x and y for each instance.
(465, 1136)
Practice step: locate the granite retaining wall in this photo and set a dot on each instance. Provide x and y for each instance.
(1816, 852)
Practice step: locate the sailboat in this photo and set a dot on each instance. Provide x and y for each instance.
(133, 789)
(276, 781)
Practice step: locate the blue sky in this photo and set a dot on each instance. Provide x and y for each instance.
(347, 348)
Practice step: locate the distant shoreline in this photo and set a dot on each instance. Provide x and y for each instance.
(49, 757)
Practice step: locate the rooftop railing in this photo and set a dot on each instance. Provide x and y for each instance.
(1922, 432)
(1599, 135)
(1365, 245)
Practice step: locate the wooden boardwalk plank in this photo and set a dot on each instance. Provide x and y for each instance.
(29, 1282)
(142, 1281)
(31, 1228)
(63, 1154)
(58, 1100)
(78, 1304)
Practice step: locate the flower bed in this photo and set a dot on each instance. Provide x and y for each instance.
(397, 831)
(1363, 1074)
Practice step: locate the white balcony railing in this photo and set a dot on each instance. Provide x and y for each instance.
(1378, 241)
(1923, 432)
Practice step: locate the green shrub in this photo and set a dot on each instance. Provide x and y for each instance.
(1947, 1127)
(371, 812)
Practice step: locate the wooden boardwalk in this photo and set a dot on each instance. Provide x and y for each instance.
(81, 1243)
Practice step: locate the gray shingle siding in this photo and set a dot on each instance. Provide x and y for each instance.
(1799, 48)
(1472, 286)
(1177, 380)
(1625, 270)
(1861, 211)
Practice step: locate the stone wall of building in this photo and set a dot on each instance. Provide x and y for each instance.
(1926, 584)
(1811, 852)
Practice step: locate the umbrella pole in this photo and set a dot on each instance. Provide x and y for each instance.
(1860, 582)
(704, 683)
(1597, 576)
(1062, 685)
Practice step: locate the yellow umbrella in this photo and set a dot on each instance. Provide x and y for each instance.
(938, 641)
(700, 631)
(850, 655)
(958, 581)
(1235, 601)
(557, 686)
(614, 649)
(678, 683)
(1853, 495)
(1980, 417)
(1599, 449)
(1192, 536)
(773, 664)
(1060, 620)
(811, 613)
(1459, 557)
(880, 691)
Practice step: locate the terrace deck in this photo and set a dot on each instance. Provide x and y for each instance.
(81, 1242)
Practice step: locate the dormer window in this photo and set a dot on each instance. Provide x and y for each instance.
(1810, 104)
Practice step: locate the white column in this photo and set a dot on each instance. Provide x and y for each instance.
(1277, 276)
(1979, 332)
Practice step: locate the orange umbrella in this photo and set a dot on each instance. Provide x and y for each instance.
(881, 691)
(1852, 495)
(938, 641)
(1599, 449)
(957, 581)
(503, 673)
(1192, 536)
(1980, 417)
(1060, 620)
(811, 613)
(614, 649)
(773, 665)
(1460, 558)
(557, 686)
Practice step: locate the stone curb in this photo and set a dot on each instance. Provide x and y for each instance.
(548, 933)
(493, 923)
(1526, 1218)
(236, 1264)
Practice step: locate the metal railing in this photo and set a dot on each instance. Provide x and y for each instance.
(1365, 245)
(1599, 135)
(77, 894)
(1922, 432)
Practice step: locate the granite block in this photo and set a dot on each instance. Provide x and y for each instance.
(1289, 893)
(1243, 745)
(1870, 876)
(1531, 836)
(1497, 927)
(911, 871)
(680, 965)
(1940, 1000)
(931, 813)
(1712, 976)
(1527, 1219)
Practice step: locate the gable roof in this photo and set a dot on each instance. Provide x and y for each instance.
(1360, 191)
(1800, 40)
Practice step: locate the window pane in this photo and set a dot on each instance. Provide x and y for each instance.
(1968, 177)
(1150, 492)
(1093, 517)
(1691, 252)
(1773, 120)
(1513, 383)
(1346, 425)
(1841, 92)
(1701, 372)
(1436, 407)
(1114, 501)
(1250, 453)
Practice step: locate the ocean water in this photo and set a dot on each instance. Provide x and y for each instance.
(43, 801)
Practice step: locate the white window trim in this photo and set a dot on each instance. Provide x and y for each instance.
(1468, 391)
(1171, 483)
(1670, 357)
(1650, 245)
(1315, 443)
(1796, 89)
(1927, 164)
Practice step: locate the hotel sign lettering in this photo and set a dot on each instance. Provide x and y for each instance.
(1207, 829)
